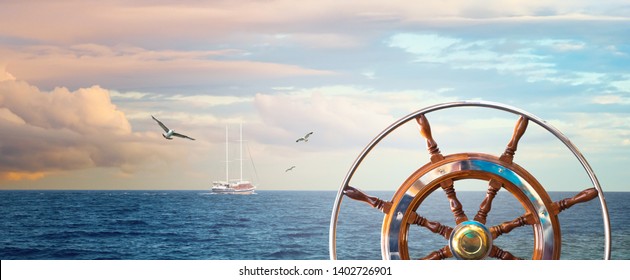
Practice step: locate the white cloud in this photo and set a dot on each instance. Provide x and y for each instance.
(210, 100)
(615, 51)
(342, 116)
(216, 20)
(597, 132)
(7, 116)
(128, 94)
(186, 48)
(532, 59)
(111, 66)
(346, 118)
(622, 85)
(573, 78)
(427, 47)
(562, 45)
(476, 54)
(64, 130)
(5, 76)
(312, 40)
(608, 99)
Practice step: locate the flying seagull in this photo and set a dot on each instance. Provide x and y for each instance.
(169, 133)
(305, 138)
(290, 168)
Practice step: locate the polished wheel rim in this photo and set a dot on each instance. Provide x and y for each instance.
(470, 238)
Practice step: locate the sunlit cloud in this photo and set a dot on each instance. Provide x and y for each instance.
(5, 76)
(597, 133)
(210, 100)
(342, 115)
(83, 65)
(312, 24)
(62, 130)
(18, 176)
(89, 81)
(311, 40)
(128, 94)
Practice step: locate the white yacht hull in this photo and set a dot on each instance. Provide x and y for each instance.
(239, 186)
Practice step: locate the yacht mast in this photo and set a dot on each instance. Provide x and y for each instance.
(227, 162)
(241, 140)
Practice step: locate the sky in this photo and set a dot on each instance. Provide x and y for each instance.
(80, 80)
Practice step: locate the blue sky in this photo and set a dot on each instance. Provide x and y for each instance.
(79, 82)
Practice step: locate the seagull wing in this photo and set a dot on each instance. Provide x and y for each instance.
(301, 139)
(308, 134)
(161, 124)
(182, 136)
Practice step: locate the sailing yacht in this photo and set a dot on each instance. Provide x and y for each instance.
(228, 186)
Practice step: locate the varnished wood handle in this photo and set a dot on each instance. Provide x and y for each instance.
(519, 130)
(486, 205)
(433, 226)
(499, 253)
(583, 196)
(441, 254)
(425, 131)
(506, 227)
(373, 201)
(456, 206)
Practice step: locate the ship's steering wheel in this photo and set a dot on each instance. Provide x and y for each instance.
(471, 238)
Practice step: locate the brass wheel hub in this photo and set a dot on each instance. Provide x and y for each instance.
(470, 240)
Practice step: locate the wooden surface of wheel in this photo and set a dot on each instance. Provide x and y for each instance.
(471, 238)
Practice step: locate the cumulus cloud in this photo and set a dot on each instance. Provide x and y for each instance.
(5, 76)
(336, 119)
(342, 116)
(45, 132)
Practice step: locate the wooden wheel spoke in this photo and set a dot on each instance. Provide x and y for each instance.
(456, 206)
(432, 146)
(443, 253)
(499, 253)
(583, 196)
(506, 227)
(486, 204)
(519, 130)
(434, 227)
(373, 201)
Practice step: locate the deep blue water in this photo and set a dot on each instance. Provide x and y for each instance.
(293, 225)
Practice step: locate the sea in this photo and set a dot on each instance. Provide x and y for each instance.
(268, 225)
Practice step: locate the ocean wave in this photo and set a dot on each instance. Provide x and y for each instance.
(19, 253)
(301, 234)
(64, 235)
(287, 255)
(271, 225)
(130, 222)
